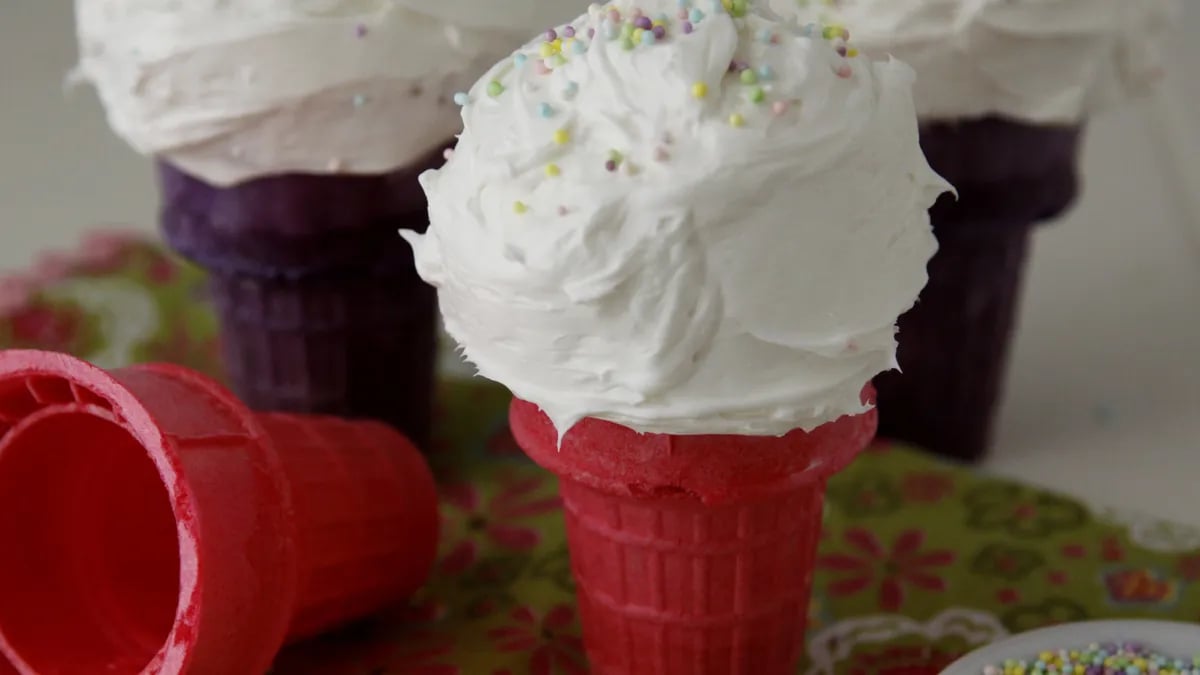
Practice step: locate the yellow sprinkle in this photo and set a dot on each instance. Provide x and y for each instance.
(557, 44)
(699, 90)
(562, 136)
(520, 207)
(637, 35)
(736, 120)
(852, 52)
(657, 22)
(546, 50)
(552, 170)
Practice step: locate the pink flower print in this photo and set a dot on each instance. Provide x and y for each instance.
(502, 521)
(902, 565)
(553, 646)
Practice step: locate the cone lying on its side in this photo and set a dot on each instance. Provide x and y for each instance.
(164, 528)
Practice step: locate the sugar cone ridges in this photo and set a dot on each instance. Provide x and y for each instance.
(670, 586)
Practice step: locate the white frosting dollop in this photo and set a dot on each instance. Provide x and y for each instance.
(235, 89)
(1041, 61)
(641, 233)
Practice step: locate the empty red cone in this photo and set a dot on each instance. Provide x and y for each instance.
(152, 524)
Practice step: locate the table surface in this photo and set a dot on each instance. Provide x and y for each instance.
(1105, 382)
(919, 562)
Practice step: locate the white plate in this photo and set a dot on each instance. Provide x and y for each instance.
(1177, 640)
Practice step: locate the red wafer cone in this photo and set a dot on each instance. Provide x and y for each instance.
(692, 555)
(155, 525)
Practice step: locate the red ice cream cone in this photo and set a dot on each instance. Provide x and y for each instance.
(152, 524)
(692, 555)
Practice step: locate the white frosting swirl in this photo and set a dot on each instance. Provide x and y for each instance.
(608, 244)
(1041, 61)
(235, 89)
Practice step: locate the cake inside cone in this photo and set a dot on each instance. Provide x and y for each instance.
(96, 587)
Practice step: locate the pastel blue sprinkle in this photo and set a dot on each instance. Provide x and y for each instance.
(578, 47)
(461, 98)
(683, 3)
(648, 37)
(766, 73)
(695, 15)
(519, 59)
(764, 35)
(570, 90)
(545, 110)
(359, 100)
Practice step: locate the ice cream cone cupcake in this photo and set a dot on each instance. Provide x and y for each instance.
(681, 235)
(289, 136)
(1004, 88)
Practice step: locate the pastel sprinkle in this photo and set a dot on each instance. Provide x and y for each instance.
(461, 98)
(661, 154)
(562, 210)
(545, 110)
(359, 100)
(519, 59)
(614, 15)
(757, 95)
(779, 107)
(636, 13)
(765, 35)
(578, 47)
(748, 76)
(448, 154)
(659, 32)
(627, 43)
(494, 88)
(562, 137)
(569, 31)
(610, 165)
(699, 90)
(519, 207)
(844, 71)
(552, 170)
(683, 13)
(643, 22)
(1096, 659)
(360, 30)
(546, 50)
(591, 33)
(551, 35)
(648, 37)
(542, 67)
(766, 73)
(683, 3)
(852, 52)
(687, 27)
(570, 90)
(736, 120)
(696, 16)
(558, 60)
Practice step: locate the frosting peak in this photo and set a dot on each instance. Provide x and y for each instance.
(684, 218)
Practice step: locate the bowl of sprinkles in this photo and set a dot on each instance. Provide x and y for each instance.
(1091, 648)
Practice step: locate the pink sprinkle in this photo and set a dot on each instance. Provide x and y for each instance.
(660, 154)
(562, 210)
(774, 39)
(360, 30)
(682, 13)
(591, 33)
(610, 165)
(841, 50)
(636, 13)
(542, 68)
(845, 34)
(779, 107)
(614, 16)
(844, 71)
(447, 154)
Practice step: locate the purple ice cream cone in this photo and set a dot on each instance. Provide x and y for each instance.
(320, 308)
(954, 343)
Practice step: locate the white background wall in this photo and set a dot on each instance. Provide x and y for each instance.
(1104, 393)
